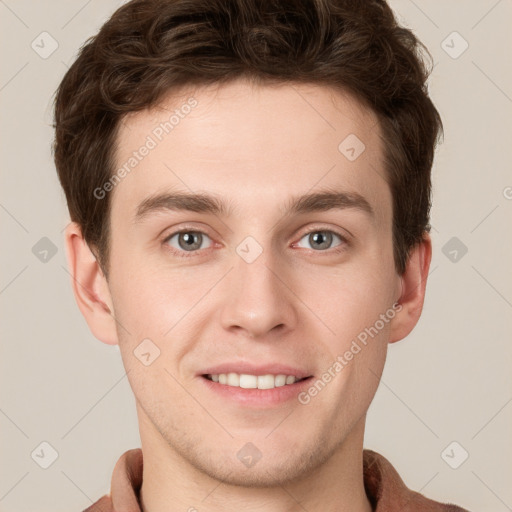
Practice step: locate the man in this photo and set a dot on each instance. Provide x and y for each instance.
(249, 189)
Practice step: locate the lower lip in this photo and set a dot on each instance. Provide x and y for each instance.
(258, 397)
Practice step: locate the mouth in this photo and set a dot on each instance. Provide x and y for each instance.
(249, 381)
(260, 386)
(262, 392)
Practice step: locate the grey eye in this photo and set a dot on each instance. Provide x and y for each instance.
(188, 240)
(321, 239)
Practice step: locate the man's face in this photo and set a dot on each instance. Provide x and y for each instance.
(256, 287)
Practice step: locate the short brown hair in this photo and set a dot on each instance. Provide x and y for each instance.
(151, 47)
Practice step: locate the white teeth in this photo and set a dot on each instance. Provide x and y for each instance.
(247, 381)
(233, 379)
(280, 380)
(266, 382)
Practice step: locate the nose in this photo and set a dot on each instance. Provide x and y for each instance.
(258, 299)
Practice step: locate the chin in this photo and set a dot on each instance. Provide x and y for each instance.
(259, 464)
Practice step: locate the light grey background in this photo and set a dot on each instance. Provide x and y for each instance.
(450, 380)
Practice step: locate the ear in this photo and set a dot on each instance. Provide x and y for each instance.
(413, 282)
(90, 286)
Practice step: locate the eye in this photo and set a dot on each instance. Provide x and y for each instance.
(188, 241)
(322, 239)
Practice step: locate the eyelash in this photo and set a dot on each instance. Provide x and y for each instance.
(189, 254)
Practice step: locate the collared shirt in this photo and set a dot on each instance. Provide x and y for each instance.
(385, 489)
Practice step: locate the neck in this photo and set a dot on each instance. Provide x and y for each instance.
(171, 483)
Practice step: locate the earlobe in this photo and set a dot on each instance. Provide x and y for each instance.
(414, 282)
(90, 286)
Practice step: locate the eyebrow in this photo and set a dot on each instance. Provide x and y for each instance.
(205, 203)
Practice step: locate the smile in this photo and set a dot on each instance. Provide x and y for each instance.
(248, 381)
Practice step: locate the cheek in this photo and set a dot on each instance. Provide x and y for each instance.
(348, 299)
(350, 302)
(158, 301)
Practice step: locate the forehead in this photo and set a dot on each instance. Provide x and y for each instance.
(256, 145)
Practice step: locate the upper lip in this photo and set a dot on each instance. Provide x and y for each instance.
(252, 369)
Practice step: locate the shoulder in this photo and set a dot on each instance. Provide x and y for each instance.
(104, 504)
(124, 487)
(388, 492)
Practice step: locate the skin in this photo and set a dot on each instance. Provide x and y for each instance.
(254, 147)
